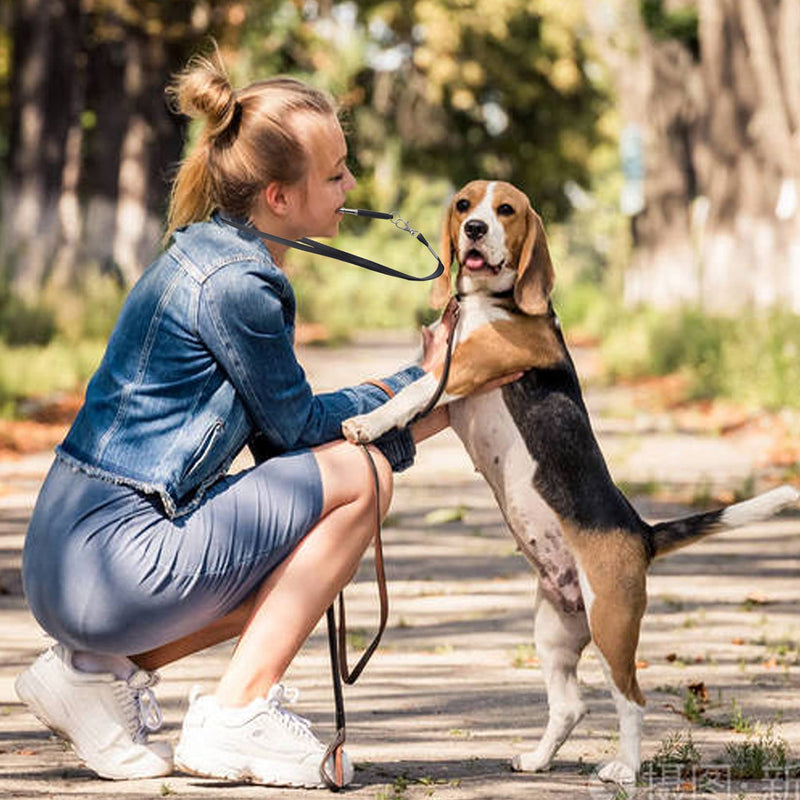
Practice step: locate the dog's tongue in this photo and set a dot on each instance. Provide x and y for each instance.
(474, 260)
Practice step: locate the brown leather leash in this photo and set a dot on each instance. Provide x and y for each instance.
(337, 641)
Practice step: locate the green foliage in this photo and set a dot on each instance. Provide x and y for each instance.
(751, 358)
(23, 323)
(680, 23)
(584, 308)
(32, 371)
(85, 311)
(677, 750)
(55, 345)
(90, 309)
(762, 754)
(482, 89)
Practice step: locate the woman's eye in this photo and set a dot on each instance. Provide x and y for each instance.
(462, 205)
(505, 210)
(338, 177)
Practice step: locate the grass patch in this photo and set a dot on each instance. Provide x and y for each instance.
(524, 657)
(53, 345)
(676, 752)
(30, 371)
(763, 753)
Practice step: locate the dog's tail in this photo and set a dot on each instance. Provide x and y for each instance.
(669, 536)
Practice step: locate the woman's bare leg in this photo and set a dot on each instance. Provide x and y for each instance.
(347, 482)
(276, 620)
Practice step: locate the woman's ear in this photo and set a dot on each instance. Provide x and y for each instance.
(442, 287)
(275, 198)
(535, 275)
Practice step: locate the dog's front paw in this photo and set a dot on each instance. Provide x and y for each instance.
(534, 761)
(358, 430)
(617, 772)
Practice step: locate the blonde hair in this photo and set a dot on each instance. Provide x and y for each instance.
(246, 141)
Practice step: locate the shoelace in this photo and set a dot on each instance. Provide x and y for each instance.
(280, 694)
(139, 704)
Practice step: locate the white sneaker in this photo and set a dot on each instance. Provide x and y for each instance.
(104, 718)
(261, 742)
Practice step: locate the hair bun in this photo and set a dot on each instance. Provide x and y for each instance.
(203, 91)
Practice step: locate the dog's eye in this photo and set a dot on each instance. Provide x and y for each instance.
(462, 205)
(505, 210)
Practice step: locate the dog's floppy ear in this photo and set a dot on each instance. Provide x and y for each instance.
(535, 275)
(441, 289)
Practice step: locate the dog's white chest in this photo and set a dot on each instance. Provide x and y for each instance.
(498, 451)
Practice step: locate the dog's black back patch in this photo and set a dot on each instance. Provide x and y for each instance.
(571, 476)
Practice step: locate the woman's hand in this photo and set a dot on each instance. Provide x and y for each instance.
(435, 343)
(434, 339)
(439, 418)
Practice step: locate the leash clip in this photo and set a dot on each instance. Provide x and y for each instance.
(402, 225)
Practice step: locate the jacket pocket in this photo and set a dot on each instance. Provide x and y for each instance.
(206, 446)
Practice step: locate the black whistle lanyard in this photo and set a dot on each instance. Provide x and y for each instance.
(320, 249)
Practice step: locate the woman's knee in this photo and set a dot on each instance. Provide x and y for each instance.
(348, 475)
(385, 478)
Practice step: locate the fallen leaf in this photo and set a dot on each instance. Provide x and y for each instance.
(699, 690)
(439, 516)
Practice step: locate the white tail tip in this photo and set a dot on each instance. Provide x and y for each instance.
(760, 507)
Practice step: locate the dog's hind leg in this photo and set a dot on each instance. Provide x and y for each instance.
(615, 613)
(560, 638)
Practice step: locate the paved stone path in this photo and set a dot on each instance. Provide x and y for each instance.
(454, 691)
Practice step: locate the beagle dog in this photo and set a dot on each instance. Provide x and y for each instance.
(533, 442)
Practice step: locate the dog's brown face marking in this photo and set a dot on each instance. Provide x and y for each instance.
(499, 242)
(488, 225)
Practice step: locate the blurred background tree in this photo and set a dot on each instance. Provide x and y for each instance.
(709, 96)
(658, 138)
(431, 88)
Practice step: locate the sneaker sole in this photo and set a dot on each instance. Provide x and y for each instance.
(237, 772)
(30, 689)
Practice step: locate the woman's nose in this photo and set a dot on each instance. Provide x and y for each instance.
(350, 181)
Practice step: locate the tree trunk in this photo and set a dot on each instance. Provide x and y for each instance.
(25, 199)
(720, 226)
(664, 270)
(656, 91)
(91, 143)
(751, 239)
(132, 183)
(69, 208)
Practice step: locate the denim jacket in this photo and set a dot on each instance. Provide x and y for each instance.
(201, 360)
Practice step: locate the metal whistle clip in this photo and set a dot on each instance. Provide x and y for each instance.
(402, 225)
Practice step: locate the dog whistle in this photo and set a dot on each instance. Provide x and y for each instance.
(365, 212)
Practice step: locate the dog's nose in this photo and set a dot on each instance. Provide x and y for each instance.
(475, 229)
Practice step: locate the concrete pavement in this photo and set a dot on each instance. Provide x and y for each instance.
(454, 691)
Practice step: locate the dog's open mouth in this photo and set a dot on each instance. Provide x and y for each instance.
(474, 260)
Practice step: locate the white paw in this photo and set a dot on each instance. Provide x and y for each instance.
(534, 761)
(358, 430)
(617, 772)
